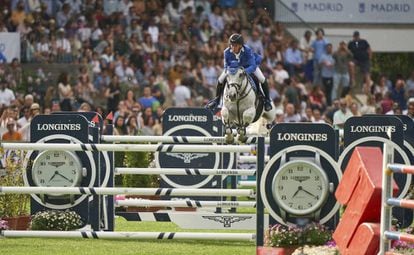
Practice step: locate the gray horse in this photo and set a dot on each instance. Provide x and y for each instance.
(241, 105)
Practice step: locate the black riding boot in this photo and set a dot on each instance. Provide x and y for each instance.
(215, 102)
(266, 99)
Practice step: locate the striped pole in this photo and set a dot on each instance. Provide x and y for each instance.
(404, 203)
(125, 191)
(132, 235)
(126, 147)
(400, 168)
(174, 139)
(184, 171)
(182, 203)
(399, 236)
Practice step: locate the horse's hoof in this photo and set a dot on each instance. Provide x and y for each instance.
(242, 139)
(229, 138)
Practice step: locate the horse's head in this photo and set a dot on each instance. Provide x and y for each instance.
(235, 81)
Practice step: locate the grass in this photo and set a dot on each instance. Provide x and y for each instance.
(34, 246)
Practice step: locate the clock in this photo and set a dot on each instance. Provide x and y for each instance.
(300, 188)
(57, 169)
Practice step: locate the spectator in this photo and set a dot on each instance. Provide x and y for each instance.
(410, 85)
(410, 108)
(318, 49)
(293, 59)
(398, 93)
(216, 20)
(305, 45)
(341, 115)
(341, 82)
(11, 134)
(147, 100)
(65, 92)
(113, 94)
(119, 126)
(327, 64)
(362, 54)
(290, 114)
(317, 117)
(7, 96)
(182, 95)
(255, 43)
(280, 74)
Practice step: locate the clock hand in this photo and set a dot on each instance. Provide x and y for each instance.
(299, 189)
(53, 176)
(307, 192)
(64, 177)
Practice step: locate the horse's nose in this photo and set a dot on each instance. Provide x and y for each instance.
(232, 96)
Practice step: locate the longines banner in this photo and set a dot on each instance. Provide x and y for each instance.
(10, 45)
(352, 11)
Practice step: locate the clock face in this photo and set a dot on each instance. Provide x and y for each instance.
(57, 169)
(300, 187)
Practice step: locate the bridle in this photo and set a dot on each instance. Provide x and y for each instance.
(241, 92)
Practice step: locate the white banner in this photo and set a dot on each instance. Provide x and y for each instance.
(350, 11)
(10, 45)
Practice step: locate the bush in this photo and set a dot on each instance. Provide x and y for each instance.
(139, 159)
(312, 234)
(13, 205)
(56, 220)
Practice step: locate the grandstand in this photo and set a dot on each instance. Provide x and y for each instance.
(69, 54)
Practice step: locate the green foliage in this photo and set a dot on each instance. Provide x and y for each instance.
(392, 64)
(139, 159)
(282, 236)
(56, 220)
(12, 205)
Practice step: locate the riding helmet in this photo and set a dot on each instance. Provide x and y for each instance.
(236, 38)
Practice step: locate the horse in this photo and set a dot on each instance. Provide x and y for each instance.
(241, 104)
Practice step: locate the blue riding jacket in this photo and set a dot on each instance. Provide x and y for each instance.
(248, 59)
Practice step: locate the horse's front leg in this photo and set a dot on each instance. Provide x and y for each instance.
(226, 120)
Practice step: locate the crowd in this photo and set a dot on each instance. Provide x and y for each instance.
(137, 57)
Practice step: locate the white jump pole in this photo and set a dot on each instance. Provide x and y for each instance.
(184, 171)
(247, 183)
(249, 159)
(132, 235)
(125, 191)
(174, 139)
(126, 147)
(182, 203)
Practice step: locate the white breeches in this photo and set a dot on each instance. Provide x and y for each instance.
(258, 73)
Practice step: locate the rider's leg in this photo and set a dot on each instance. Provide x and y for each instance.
(219, 92)
(265, 87)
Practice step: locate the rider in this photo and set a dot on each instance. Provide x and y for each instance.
(249, 61)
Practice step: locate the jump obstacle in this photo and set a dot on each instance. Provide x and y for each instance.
(141, 191)
(90, 147)
(388, 201)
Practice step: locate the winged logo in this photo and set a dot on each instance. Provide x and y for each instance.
(227, 220)
(56, 164)
(187, 157)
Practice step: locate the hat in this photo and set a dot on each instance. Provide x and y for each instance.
(35, 106)
(356, 33)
